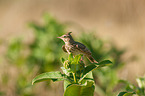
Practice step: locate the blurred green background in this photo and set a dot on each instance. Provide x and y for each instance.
(28, 45)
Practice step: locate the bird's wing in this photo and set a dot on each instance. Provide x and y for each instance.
(82, 48)
(63, 48)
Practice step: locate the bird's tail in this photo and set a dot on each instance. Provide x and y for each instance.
(92, 60)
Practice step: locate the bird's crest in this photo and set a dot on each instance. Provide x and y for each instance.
(68, 33)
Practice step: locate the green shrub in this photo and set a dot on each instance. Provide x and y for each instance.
(78, 79)
(131, 89)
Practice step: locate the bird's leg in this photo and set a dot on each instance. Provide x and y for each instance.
(92, 60)
(81, 60)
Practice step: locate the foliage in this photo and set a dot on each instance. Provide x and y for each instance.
(2, 93)
(81, 83)
(35, 57)
(46, 45)
(132, 89)
(106, 77)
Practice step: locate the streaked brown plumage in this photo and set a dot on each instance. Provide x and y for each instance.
(75, 48)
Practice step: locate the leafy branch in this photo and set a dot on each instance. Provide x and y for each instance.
(78, 79)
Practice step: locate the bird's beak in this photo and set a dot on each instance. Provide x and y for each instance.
(59, 37)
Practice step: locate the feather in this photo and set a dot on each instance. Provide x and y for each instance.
(82, 48)
(63, 48)
(92, 60)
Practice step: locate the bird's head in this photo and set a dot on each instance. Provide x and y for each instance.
(66, 37)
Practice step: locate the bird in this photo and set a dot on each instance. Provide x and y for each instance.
(75, 48)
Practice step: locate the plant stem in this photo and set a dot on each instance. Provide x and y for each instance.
(74, 75)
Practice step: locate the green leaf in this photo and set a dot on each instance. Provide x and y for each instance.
(122, 93)
(141, 82)
(123, 81)
(75, 67)
(55, 76)
(70, 58)
(62, 59)
(66, 71)
(86, 89)
(128, 94)
(88, 77)
(104, 63)
(66, 84)
(129, 87)
(88, 69)
(77, 58)
(125, 94)
(66, 64)
(92, 67)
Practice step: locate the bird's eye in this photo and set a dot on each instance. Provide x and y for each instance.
(64, 36)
